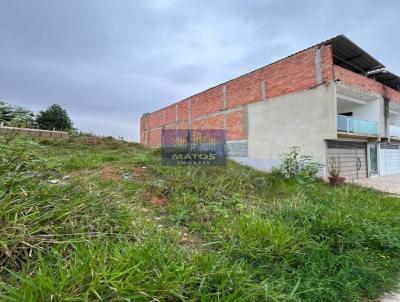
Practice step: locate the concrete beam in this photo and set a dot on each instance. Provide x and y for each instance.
(351, 99)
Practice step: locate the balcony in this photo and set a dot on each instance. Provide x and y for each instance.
(394, 131)
(394, 120)
(354, 125)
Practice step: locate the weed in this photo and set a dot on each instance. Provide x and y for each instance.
(220, 233)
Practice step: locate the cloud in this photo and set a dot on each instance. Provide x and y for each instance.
(107, 62)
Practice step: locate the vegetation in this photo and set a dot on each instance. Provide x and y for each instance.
(300, 168)
(89, 219)
(54, 118)
(335, 167)
(16, 116)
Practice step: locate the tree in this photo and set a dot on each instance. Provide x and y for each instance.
(54, 117)
(5, 112)
(22, 117)
(16, 116)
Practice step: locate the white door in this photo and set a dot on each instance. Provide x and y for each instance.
(389, 159)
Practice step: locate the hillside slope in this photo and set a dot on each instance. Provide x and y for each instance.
(91, 219)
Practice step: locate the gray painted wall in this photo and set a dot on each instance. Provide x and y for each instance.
(257, 163)
(303, 119)
(237, 148)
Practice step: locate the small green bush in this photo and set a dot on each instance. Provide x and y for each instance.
(300, 167)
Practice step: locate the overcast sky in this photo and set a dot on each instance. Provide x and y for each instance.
(109, 61)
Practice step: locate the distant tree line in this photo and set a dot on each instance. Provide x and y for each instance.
(53, 118)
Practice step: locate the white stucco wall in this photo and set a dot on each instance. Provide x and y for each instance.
(394, 125)
(303, 119)
(394, 114)
(370, 111)
(394, 119)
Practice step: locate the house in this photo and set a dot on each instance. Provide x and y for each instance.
(334, 100)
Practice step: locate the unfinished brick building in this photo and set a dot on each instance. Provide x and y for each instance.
(332, 99)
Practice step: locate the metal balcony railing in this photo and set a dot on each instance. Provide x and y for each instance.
(354, 125)
(394, 131)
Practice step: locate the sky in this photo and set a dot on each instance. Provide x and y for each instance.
(109, 61)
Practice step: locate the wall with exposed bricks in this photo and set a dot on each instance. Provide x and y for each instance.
(225, 106)
(363, 83)
(392, 94)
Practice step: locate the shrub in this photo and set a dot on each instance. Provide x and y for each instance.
(335, 167)
(297, 166)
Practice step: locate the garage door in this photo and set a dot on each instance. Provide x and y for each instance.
(352, 157)
(389, 159)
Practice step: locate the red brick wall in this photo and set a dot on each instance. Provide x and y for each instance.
(292, 74)
(154, 137)
(326, 63)
(214, 122)
(236, 125)
(361, 82)
(295, 73)
(392, 94)
(170, 114)
(155, 119)
(357, 80)
(183, 126)
(206, 102)
(183, 111)
(244, 90)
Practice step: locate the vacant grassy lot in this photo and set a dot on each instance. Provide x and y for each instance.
(92, 219)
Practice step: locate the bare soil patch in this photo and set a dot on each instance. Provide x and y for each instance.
(158, 200)
(139, 173)
(109, 172)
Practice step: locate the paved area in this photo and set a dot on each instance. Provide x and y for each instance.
(390, 184)
(391, 298)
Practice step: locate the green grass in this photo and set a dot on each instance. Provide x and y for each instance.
(218, 233)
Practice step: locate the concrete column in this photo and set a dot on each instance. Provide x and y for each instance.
(225, 119)
(386, 114)
(176, 114)
(263, 91)
(146, 131)
(318, 73)
(190, 113)
(224, 99)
